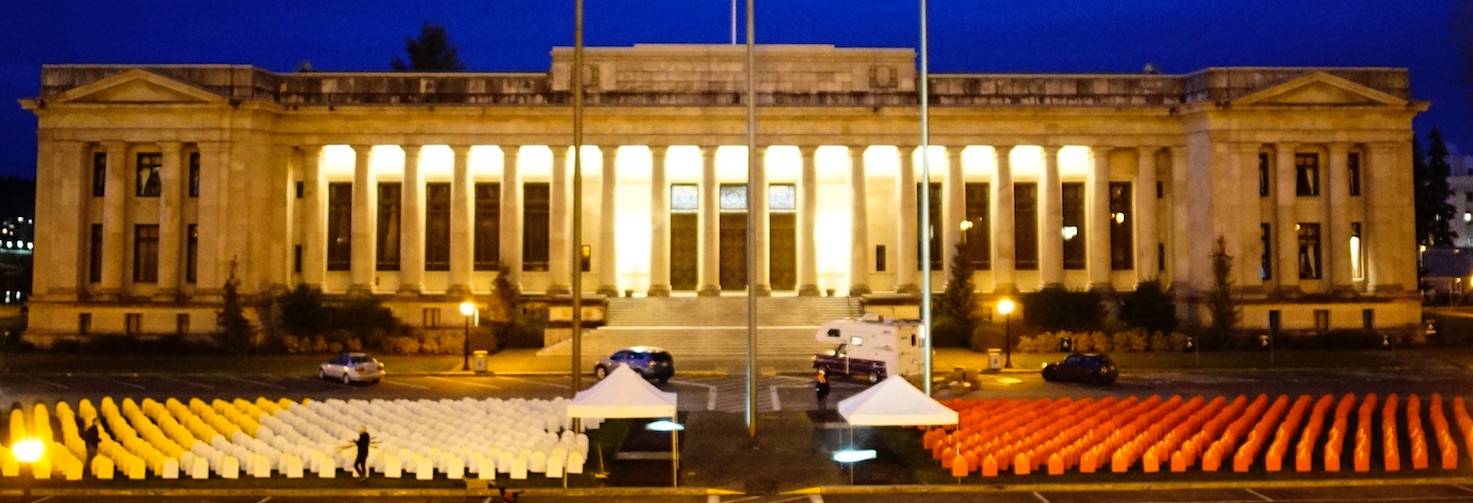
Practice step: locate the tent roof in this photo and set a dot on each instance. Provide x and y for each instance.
(623, 393)
(894, 402)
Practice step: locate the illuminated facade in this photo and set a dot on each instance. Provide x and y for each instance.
(152, 180)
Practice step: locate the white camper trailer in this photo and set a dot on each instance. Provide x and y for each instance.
(873, 348)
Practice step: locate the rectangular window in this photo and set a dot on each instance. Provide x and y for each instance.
(84, 323)
(148, 183)
(932, 234)
(1322, 320)
(1160, 256)
(1307, 174)
(99, 174)
(437, 226)
(133, 323)
(389, 201)
(1368, 319)
(536, 216)
(1309, 250)
(1352, 166)
(977, 232)
(194, 174)
(94, 255)
(339, 226)
(191, 253)
(1122, 233)
(488, 226)
(297, 258)
(432, 317)
(1160, 190)
(1072, 197)
(1266, 251)
(145, 254)
(181, 324)
(880, 258)
(1264, 175)
(1357, 252)
(1025, 225)
(1275, 320)
(301, 190)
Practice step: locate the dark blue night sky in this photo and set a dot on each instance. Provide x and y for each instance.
(1083, 36)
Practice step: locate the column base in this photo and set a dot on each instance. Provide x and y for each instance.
(763, 290)
(858, 290)
(808, 291)
(559, 290)
(607, 291)
(709, 291)
(1102, 287)
(458, 291)
(908, 289)
(1345, 292)
(658, 291)
(109, 295)
(410, 290)
(1288, 292)
(1005, 289)
(360, 290)
(168, 296)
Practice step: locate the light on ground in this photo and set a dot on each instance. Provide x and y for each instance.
(28, 450)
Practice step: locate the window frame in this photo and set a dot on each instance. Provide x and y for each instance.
(146, 253)
(1306, 174)
(148, 181)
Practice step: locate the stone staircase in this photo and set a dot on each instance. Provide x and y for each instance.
(713, 326)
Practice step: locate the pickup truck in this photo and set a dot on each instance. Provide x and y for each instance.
(872, 348)
(838, 362)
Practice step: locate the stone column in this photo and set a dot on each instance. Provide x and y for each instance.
(859, 230)
(807, 207)
(659, 224)
(1004, 235)
(905, 244)
(710, 226)
(170, 209)
(1287, 240)
(214, 202)
(1051, 221)
(1181, 235)
(559, 239)
(462, 222)
(1097, 219)
(1248, 216)
(114, 220)
(365, 222)
(1146, 237)
(1391, 240)
(608, 282)
(511, 214)
(953, 213)
(1337, 222)
(760, 275)
(412, 218)
(314, 210)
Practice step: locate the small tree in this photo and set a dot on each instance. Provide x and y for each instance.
(1055, 308)
(955, 319)
(234, 329)
(1222, 305)
(431, 52)
(1434, 213)
(303, 312)
(1149, 307)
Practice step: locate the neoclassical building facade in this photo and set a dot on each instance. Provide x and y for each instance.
(154, 183)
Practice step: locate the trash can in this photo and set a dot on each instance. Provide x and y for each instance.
(480, 360)
(994, 359)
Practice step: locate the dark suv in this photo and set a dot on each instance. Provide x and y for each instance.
(650, 362)
(1085, 368)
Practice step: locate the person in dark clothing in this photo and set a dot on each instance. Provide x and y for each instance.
(821, 386)
(92, 436)
(360, 463)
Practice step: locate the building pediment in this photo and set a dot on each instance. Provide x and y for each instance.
(1319, 89)
(138, 87)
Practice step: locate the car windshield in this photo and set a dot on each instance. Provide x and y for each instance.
(362, 359)
(660, 357)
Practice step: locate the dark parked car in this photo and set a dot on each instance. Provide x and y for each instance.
(650, 362)
(1085, 368)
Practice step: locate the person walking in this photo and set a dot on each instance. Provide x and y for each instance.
(821, 387)
(92, 437)
(360, 463)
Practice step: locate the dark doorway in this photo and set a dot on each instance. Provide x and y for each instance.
(684, 250)
(783, 251)
(733, 251)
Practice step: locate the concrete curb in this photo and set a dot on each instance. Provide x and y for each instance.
(1129, 486)
(390, 492)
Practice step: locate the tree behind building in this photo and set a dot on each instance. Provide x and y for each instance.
(431, 52)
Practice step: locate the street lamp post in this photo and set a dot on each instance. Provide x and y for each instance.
(27, 451)
(1005, 306)
(467, 309)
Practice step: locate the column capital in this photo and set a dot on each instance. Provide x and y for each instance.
(1147, 149)
(857, 149)
(408, 149)
(658, 150)
(460, 150)
(171, 146)
(1287, 145)
(1051, 149)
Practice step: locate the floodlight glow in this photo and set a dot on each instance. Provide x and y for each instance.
(467, 308)
(28, 450)
(854, 456)
(1005, 306)
(664, 425)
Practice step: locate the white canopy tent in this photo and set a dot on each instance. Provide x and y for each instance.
(895, 402)
(625, 394)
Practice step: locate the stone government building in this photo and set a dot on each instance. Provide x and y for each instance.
(152, 180)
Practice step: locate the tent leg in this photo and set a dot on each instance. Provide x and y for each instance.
(675, 452)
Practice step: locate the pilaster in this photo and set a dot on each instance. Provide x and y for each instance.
(170, 209)
(1287, 232)
(114, 221)
(1337, 221)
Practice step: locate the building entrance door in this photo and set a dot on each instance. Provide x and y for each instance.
(734, 250)
(783, 250)
(684, 251)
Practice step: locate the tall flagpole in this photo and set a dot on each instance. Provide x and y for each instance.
(926, 233)
(577, 257)
(751, 220)
(733, 22)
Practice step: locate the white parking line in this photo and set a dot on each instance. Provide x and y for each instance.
(1463, 487)
(529, 381)
(43, 381)
(264, 500)
(710, 392)
(464, 382)
(191, 383)
(397, 383)
(1258, 494)
(777, 404)
(1040, 497)
(259, 383)
(128, 384)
